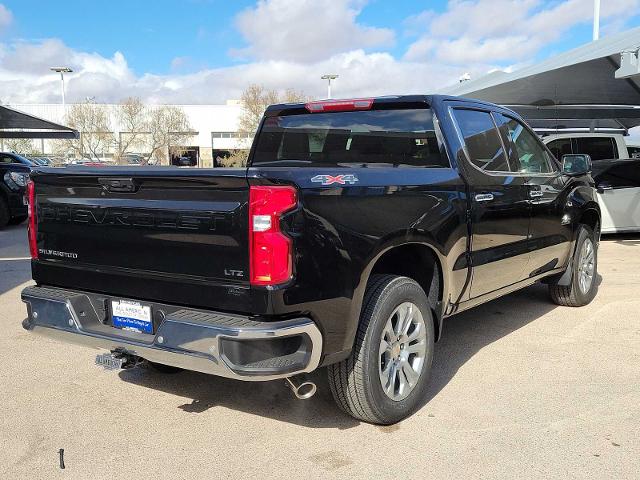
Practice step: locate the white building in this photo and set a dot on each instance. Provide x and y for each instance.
(216, 128)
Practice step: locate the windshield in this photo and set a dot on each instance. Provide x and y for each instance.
(388, 137)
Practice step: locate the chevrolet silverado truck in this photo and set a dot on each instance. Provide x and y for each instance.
(357, 227)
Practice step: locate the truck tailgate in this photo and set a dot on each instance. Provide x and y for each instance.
(178, 235)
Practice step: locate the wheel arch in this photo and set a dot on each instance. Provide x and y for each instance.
(416, 259)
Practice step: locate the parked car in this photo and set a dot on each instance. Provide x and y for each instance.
(14, 173)
(357, 228)
(633, 149)
(599, 146)
(618, 186)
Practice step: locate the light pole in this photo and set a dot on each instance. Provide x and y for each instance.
(329, 77)
(62, 71)
(596, 19)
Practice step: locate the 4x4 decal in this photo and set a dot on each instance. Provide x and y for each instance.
(339, 179)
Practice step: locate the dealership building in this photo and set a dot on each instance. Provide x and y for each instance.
(215, 130)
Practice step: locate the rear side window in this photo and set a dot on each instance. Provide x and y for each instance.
(403, 137)
(482, 139)
(599, 148)
(6, 159)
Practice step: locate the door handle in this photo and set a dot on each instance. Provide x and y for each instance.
(536, 193)
(484, 197)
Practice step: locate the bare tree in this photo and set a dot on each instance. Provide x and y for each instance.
(255, 100)
(168, 128)
(96, 135)
(23, 146)
(132, 117)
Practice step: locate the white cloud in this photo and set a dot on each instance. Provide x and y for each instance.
(6, 17)
(492, 31)
(294, 42)
(27, 79)
(306, 30)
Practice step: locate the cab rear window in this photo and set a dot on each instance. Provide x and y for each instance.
(384, 137)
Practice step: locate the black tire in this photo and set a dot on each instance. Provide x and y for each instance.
(355, 382)
(17, 220)
(4, 213)
(162, 368)
(572, 295)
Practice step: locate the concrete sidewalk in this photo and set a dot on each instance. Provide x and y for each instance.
(520, 389)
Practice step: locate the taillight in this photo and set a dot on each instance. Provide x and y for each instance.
(270, 250)
(32, 229)
(339, 105)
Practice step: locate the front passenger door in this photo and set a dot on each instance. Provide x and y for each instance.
(547, 189)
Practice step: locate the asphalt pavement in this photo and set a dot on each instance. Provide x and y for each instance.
(520, 388)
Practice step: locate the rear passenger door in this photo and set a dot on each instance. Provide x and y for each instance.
(499, 204)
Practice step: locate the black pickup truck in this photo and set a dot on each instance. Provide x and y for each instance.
(14, 173)
(357, 228)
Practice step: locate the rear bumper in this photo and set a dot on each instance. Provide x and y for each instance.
(219, 344)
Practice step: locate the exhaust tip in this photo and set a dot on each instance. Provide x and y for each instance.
(303, 391)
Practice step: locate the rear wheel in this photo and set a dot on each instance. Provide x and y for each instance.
(384, 379)
(584, 270)
(4, 213)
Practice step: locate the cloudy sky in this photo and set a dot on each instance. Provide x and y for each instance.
(207, 51)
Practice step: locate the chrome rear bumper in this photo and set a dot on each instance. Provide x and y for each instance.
(209, 342)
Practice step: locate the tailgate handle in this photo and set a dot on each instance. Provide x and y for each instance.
(118, 184)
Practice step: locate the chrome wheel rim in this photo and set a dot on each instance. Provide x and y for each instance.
(586, 266)
(403, 348)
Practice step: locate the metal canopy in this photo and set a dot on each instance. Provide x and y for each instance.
(574, 90)
(16, 124)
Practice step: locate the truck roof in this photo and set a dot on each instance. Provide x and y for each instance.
(284, 108)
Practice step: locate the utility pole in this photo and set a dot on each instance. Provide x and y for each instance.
(596, 20)
(62, 71)
(329, 77)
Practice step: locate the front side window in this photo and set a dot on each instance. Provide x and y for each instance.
(402, 137)
(482, 140)
(531, 156)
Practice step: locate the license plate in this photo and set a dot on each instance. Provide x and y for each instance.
(109, 362)
(131, 316)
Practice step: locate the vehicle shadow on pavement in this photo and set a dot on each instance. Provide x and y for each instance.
(463, 336)
(267, 399)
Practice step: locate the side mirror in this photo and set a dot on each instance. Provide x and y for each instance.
(576, 164)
